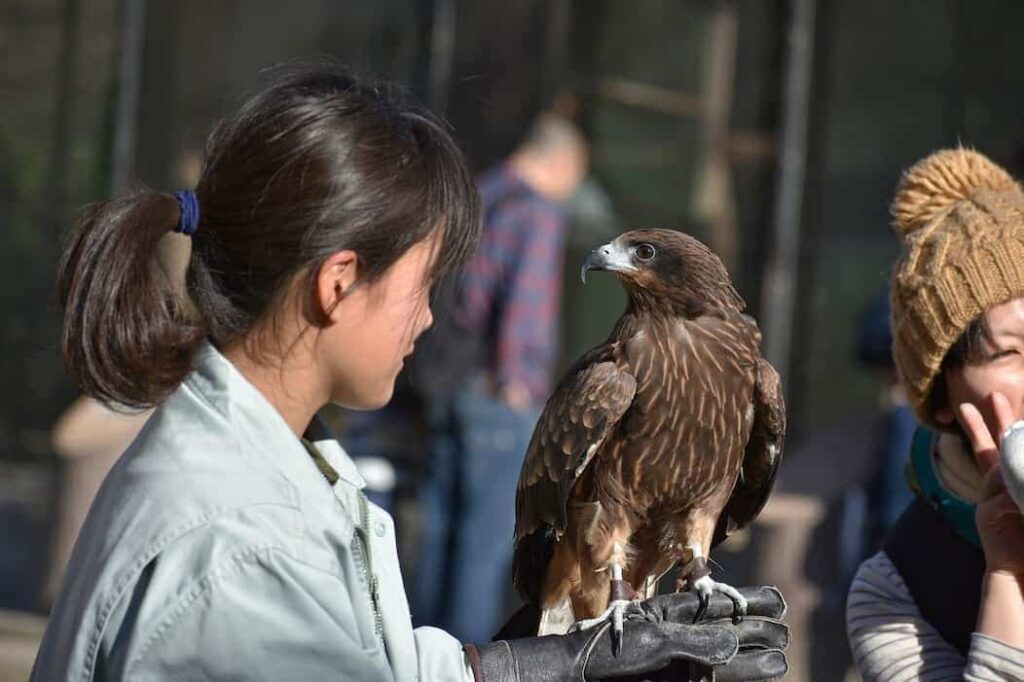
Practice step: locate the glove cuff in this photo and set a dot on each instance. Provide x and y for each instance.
(492, 662)
(473, 657)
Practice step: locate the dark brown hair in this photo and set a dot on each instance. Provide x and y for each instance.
(313, 164)
(967, 349)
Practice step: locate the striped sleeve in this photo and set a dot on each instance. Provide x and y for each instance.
(990, 659)
(892, 642)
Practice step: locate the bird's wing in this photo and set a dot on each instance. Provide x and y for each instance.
(577, 420)
(761, 457)
(579, 416)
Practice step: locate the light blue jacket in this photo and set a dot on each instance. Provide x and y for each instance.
(216, 550)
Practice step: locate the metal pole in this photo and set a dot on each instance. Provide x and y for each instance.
(780, 276)
(129, 83)
(558, 18)
(64, 106)
(442, 54)
(714, 198)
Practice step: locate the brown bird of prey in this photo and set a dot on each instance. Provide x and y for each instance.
(655, 445)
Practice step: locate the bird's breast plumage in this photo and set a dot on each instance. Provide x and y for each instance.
(681, 442)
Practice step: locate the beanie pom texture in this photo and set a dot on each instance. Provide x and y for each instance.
(931, 188)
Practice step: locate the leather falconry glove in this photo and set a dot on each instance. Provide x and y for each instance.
(661, 644)
(587, 655)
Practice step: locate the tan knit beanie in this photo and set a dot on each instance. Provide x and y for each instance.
(961, 218)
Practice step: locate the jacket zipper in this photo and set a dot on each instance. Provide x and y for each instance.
(365, 560)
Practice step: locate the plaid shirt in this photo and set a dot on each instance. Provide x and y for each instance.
(512, 287)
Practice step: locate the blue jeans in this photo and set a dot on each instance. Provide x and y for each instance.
(464, 571)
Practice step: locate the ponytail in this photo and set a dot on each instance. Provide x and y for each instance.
(128, 338)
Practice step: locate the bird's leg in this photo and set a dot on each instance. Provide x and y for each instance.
(698, 578)
(621, 595)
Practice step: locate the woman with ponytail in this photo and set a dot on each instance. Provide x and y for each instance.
(232, 539)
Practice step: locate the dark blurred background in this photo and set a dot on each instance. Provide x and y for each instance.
(774, 130)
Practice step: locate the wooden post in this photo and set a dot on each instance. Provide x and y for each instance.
(783, 533)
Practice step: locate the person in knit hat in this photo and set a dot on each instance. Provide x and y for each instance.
(944, 598)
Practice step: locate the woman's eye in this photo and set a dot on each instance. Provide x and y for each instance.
(1004, 353)
(645, 252)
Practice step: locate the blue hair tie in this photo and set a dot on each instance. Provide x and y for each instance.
(188, 220)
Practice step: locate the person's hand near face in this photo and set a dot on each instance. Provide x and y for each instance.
(1000, 523)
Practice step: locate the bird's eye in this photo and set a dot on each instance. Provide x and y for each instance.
(645, 252)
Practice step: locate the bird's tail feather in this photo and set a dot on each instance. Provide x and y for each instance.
(533, 553)
(523, 623)
(532, 621)
(558, 619)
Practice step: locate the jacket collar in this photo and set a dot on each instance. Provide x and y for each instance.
(251, 416)
(331, 450)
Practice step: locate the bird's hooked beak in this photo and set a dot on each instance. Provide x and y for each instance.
(613, 257)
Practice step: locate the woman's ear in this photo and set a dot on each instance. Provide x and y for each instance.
(337, 275)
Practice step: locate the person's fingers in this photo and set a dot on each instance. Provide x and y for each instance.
(977, 431)
(1003, 505)
(993, 484)
(1003, 414)
(1009, 513)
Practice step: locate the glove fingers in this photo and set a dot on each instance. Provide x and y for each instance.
(678, 607)
(764, 601)
(706, 644)
(762, 664)
(763, 633)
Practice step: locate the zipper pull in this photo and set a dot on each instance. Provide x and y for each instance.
(378, 618)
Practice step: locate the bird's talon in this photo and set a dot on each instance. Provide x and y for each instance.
(705, 587)
(618, 608)
(613, 614)
(739, 611)
(705, 601)
(616, 641)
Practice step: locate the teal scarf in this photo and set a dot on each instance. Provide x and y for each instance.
(925, 482)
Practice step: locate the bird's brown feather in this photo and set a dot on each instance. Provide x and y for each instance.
(581, 413)
(761, 458)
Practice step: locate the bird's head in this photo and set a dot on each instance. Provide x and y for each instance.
(666, 269)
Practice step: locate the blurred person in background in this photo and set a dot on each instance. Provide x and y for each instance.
(233, 540)
(871, 509)
(888, 493)
(944, 599)
(486, 373)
